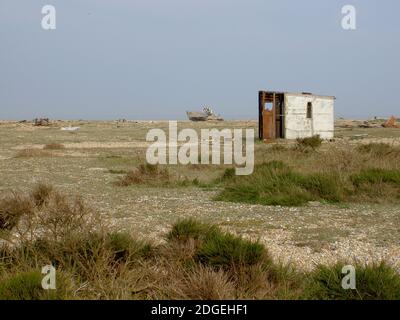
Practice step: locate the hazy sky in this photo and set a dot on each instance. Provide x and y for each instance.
(155, 59)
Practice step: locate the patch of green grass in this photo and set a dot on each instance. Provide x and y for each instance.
(28, 286)
(23, 286)
(274, 183)
(190, 229)
(322, 186)
(373, 282)
(126, 248)
(217, 248)
(223, 250)
(375, 176)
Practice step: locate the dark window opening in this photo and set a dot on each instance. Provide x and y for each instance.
(309, 110)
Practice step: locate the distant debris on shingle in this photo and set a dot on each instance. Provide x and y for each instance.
(391, 123)
(70, 128)
(41, 122)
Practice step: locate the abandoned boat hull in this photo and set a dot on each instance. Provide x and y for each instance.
(201, 116)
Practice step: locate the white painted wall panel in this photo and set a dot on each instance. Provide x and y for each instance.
(296, 123)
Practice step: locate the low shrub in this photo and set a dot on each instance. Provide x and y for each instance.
(373, 282)
(274, 183)
(217, 248)
(63, 217)
(323, 186)
(28, 286)
(375, 175)
(86, 254)
(92, 253)
(206, 283)
(126, 248)
(12, 208)
(312, 142)
(23, 286)
(229, 173)
(145, 174)
(41, 194)
(190, 229)
(223, 250)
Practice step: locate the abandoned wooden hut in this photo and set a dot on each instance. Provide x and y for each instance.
(288, 115)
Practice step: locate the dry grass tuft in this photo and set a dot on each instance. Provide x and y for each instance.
(12, 208)
(54, 146)
(307, 143)
(63, 218)
(41, 193)
(205, 283)
(145, 174)
(379, 149)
